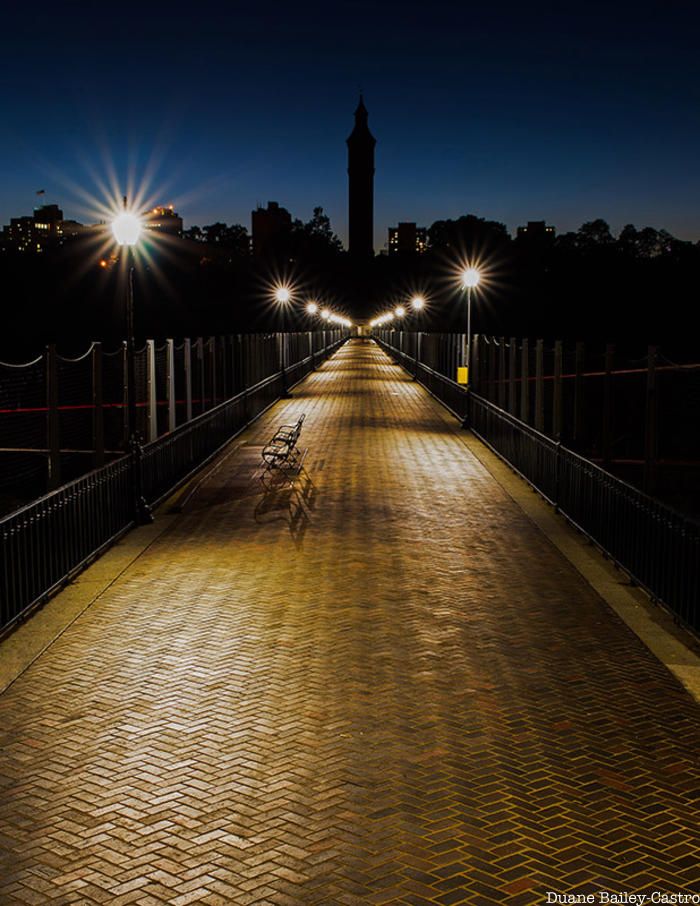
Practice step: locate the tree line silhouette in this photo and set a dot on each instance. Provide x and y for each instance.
(634, 288)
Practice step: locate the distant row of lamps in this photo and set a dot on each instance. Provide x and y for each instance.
(417, 304)
(470, 278)
(283, 297)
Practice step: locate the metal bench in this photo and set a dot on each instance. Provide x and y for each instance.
(282, 452)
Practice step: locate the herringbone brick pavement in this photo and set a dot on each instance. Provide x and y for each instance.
(383, 685)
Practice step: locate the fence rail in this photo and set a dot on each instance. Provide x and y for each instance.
(657, 547)
(45, 543)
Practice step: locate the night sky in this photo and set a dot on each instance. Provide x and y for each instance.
(511, 112)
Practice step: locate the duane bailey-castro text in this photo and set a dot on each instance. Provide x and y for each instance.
(622, 898)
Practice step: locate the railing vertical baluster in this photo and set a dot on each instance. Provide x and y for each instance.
(579, 420)
(651, 436)
(188, 379)
(53, 423)
(606, 439)
(525, 382)
(98, 412)
(539, 385)
(502, 384)
(557, 390)
(171, 384)
(151, 394)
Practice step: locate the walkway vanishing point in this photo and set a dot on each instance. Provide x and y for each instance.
(385, 685)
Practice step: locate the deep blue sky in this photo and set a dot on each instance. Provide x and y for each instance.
(513, 112)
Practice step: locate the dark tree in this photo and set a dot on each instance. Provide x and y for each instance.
(311, 241)
(468, 235)
(594, 234)
(194, 233)
(319, 229)
(234, 237)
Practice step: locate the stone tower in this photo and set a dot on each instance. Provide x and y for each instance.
(361, 186)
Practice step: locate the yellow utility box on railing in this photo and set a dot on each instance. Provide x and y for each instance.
(462, 375)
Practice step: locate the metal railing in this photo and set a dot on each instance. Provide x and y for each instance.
(658, 548)
(44, 544)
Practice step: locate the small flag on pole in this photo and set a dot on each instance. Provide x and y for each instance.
(41, 192)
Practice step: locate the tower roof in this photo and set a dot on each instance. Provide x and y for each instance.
(361, 130)
(361, 109)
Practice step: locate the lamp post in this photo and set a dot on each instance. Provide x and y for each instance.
(400, 313)
(470, 280)
(126, 228)
(282, 297)
(417, 304)
(312, 312)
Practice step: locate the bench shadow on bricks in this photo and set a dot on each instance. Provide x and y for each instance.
(288, 492)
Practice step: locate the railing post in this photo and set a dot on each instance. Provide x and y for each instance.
(202, 375)
(578, 393)
(152, 411)
(212, 363)
(512, 367)
(539, 385)
(170, 381)
(502, 373)
(492, 371)
(126, 390)
(188, 379)
(232, 365)
(98, 412)
(525, 381)
(557, 392)
(142, 511)
(53, 420)
(225, 380)
(557, 477)
(606, 441)
(651, 435)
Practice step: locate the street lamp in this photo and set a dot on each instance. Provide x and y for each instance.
(312, 311)
(417, 304)
(470, 280)
(126, 228)
(283, 297)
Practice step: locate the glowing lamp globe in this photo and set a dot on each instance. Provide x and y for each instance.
(470, 278)
(400, 311)
(282, 295)
(312, 308)
(418, 302)
(126, 228)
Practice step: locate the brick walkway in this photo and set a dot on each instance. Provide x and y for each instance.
(383, 686)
